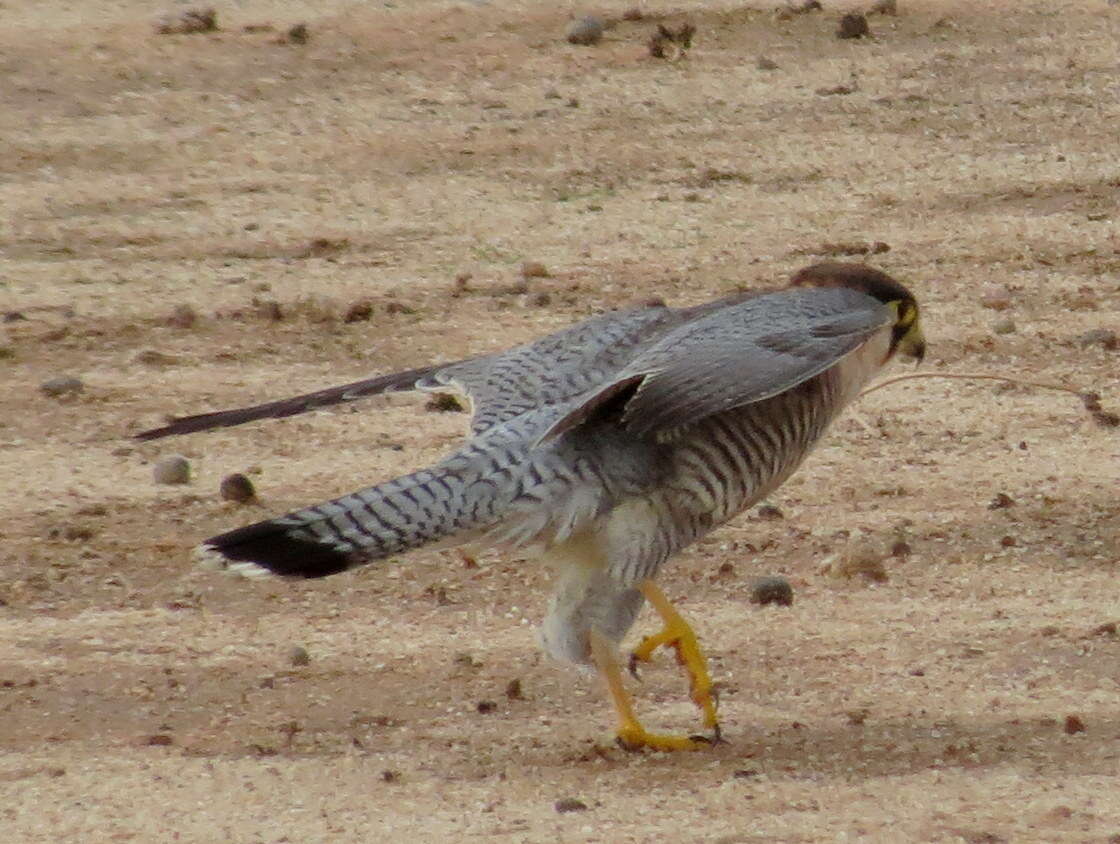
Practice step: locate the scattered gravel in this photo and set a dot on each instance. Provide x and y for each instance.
(853, 26)
(771, 590)
(585, 31)
(173, 469)
(63, 385)
(237, 487)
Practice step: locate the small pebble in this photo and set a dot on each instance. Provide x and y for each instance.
(570, 804)
(1074, 725)
(766, 63)
(883, 7)
(1001, 501)
(995, 297)
(485, 707)
(1104, 337)
(534, 269)
(861, 560)
(1004, 326)
(173, 469)
(159, 740)
(237, 487)
(298, 656)
(64, 385)
(770, 513)
(360, 311)
(183, 316)
(154, 357)
(514, 690)
(853, 26)
(585, 31)
(187, 21)
(771, 590)
(298, 34)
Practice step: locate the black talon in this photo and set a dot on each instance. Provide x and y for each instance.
(632, 667)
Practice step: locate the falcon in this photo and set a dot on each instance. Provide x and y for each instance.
(605, 448)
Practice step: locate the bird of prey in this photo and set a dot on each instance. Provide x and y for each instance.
(608, 447)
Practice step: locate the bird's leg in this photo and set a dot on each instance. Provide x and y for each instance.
(631, 734)
(678, 634)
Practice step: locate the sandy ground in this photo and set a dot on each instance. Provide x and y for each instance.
(409, 143)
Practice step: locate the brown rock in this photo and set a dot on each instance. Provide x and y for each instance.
(853, 26)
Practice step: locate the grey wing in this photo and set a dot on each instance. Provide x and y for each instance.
(741, 354)
(501, 386)
(555, 368)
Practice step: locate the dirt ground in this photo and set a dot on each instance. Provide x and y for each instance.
(271, 186)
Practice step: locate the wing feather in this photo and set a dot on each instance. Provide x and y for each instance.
(738, 355)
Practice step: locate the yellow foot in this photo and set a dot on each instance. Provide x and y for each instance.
(635, 737)
(678, 635)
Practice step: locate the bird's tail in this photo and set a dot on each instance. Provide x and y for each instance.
(371, 524)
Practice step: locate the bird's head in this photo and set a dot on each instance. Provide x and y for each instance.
(906, 336)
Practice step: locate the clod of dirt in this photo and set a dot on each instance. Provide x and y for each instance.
(995, 297)
(298, 34)
(765, 63)
(237, 487)
(1109, 628)
(534, 269)
(883, 7)
(848, 248)
(771, 590)
(359, 311)
(669, 43)
(154, 357)
(901, 548)
(1001, 501)
(485, 707)
(159, 740)
(1005, 326)
(853, 25)
(63, 385)
(585, 31)
(390, 776)
(173, 469)
(465, 659)
(802, 8)
(861, 560)
(1008, 541)
(1105, 419)
(569, 804)
(444, 403)
(1104, 337)
(633, 14)
(769, 512)
(298, 656)
(269, 310)
(183, 316)
(857, 717)
(836, 91)
(1073, 724)
(186, 22)
(514, 690)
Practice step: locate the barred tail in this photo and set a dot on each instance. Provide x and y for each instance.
(364, 526)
